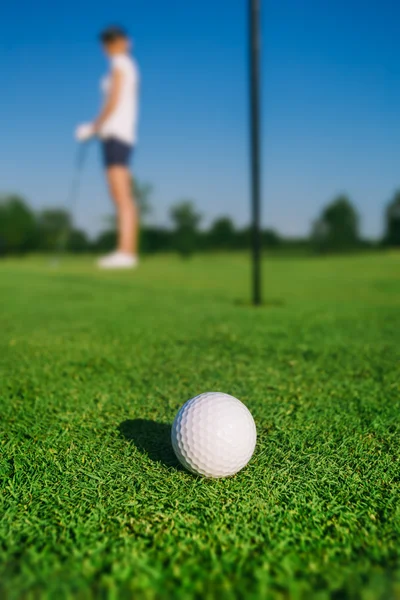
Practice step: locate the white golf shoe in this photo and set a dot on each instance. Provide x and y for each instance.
(118, 260)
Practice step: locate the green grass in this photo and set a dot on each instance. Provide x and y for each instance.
(93, 368)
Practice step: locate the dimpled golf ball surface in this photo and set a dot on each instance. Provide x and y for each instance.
(214, 435)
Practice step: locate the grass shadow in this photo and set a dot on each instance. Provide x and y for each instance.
(269, 303)
(151, 438)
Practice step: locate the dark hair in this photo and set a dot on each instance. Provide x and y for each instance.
(112, 33)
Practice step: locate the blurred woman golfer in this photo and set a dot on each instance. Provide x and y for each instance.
(116, 127)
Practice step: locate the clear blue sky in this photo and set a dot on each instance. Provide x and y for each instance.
(331, 98)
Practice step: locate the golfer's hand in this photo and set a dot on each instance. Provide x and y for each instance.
(84, 132)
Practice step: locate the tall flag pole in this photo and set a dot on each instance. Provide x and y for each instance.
(255, 150)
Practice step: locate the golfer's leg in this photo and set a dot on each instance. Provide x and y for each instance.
(119, 180)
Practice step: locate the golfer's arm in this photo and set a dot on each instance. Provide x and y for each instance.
(112, 99)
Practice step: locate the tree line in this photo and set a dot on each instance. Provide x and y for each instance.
(336, 229)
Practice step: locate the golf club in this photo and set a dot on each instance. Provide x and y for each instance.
(72, 198)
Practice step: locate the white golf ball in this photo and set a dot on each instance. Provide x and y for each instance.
(214, 435)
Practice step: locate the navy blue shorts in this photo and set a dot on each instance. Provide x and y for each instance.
(116, 153)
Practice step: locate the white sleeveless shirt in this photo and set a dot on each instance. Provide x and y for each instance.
(122, 123)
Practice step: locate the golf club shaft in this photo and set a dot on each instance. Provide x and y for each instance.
(73, 194)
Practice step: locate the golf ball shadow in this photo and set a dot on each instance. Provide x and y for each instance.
(151, 438)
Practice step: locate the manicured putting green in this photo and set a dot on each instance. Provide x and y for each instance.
(93, 368)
